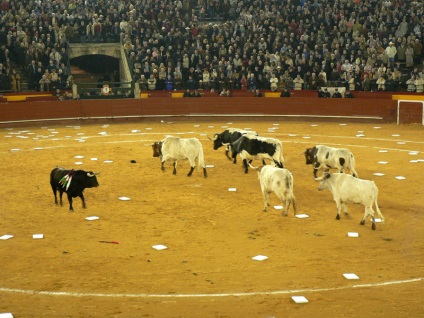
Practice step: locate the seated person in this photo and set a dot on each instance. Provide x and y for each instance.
(258, 93)
(225, 92)
(348, 94)
(337, 94)
(196, 93)
(326, 93)
(187, 93)
(285, 93)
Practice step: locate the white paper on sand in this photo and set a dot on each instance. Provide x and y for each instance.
(314, 125)
(135, 131)
(278, 207)
(37, 236)
(260, 257)
(301, 216)
(378, 174)
(300, 299)
(197, 126)
(103, 133)
(148, 128)
(15, 149)
(350, 276)
(342, 124)
(376, 220)
(159, 247)
(6, 237)
(108, 161)
(401, 143)
(413, 153)
(400, 177)
(78, 163)
(6, 315)
(38, 148)
(93, 159)
(360, 135)
(232, 189)
(306, 137)
(395, 135)
(292, 135)
(383, 162)
(353, 234)
(124, 198)
(78, 157)
(209, 166)
(377, 127)
(383, 150)
(92, 218)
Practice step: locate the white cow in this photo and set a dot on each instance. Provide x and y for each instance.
(347, 189)
(175, 148)
(279, 181)
(325, 158)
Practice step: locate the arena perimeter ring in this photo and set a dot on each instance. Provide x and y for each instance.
(211, 233)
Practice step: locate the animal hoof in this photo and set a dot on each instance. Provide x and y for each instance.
(363, 222)
(338, 217)
(373, 226)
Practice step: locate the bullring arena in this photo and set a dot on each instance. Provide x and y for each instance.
(211, 233)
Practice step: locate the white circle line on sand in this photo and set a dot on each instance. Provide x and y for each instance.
(212, 295)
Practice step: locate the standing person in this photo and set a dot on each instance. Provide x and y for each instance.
(418, 51)
(251, 83)
(31, 71)
(273, 82)
(151, 83)
(391, 53)
(409, 53)
(419, 83)
(169, 83)
(298, 83)
(411, 84)
(16, 81)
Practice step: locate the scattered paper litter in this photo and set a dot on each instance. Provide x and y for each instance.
(376, 220)
(224, 126)
(301, 216)
(197, 126)
(395, 135)
(209, 166)
(108, 161)
(383, 150)
(300, 299)
(232, 189)
(292, 135)
(360, 135)
(92, 218)
(314, 125)
(37, 236)
(278, 207)
(38, 148)
(260, 257)
(400, 177)
(105, 126)
(6, 315)
(79, 157)
(78, 163)
(159, 247)
(124, 198)
(378, 174)
(413, 153)
(211, 126)
(103, 133)
(413, 161)
(306, 137)
(350, 276)
(148, 128)
(135, 131)
(229, 123)
(81, 140)
(383, 162)
(15, 149)
(93, 159)
(6, 237)
(376, 127)
(276, 124)
(342, 124)
(401, 143)
(353, 234)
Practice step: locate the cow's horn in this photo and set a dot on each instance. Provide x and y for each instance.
(253, 167)
(319, 178)
(209, 138)
(92, 174)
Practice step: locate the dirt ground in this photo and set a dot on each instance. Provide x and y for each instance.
(211, 233)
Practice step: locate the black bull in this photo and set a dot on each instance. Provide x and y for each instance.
(226, 138)
(73, 182)
(254, 147)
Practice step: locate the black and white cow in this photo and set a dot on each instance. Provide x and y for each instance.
(254, 147)
(229, 136)
(73, 182)
(325, 158)
(175, 148)
(347, 189)
(279, 181)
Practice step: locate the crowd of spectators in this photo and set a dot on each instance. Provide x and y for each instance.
(272, 45)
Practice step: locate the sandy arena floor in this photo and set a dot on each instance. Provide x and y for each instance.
(211, 233)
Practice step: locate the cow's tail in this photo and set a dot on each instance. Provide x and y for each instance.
(279, 154)
(352, 166)
(376, 205)
(200, 158)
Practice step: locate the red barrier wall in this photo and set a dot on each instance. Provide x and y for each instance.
(358, 109)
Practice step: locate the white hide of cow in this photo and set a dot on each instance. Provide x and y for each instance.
(348, 189)
(329, 158)
(175, 148)
(279, 181)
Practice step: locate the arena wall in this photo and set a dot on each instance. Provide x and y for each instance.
(300, 108)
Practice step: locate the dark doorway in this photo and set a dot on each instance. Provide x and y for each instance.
(90, 68)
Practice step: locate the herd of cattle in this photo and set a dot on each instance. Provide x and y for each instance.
(250, 146)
